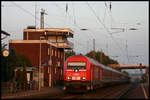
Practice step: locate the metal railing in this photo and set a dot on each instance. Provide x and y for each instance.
(62, 43)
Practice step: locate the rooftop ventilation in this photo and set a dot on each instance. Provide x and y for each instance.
(31, 27)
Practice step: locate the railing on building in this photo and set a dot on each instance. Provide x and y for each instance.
(6, 88)
(62, 43)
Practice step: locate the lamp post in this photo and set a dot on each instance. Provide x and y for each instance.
(41, 37)
(40, 65)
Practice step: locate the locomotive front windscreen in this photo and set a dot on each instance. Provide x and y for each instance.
(76, 65)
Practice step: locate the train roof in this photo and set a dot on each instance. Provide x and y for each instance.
(103, 66)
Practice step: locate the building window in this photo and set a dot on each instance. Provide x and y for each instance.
(58, 63)
(52, 38)
(35, 74)
(52, 52)
(50, 62)
(48, 69)
(48, 51)
(55, 53)
(61, 72)
(42, 70)
(55, 70)
(58, 54)
(62, 55)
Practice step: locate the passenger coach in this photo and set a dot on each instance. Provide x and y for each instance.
(84, 72)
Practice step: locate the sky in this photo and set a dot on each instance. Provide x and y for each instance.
(126, 46)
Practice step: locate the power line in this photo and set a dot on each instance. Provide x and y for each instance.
(27, 12)
(75, 25)
(104, 26)
(74, 14)
(89, 30)
(74, 20)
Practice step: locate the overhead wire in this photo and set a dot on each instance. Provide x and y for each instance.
(90, 33)
(105, 27)
(75, 24)
(105, 12)
(33, 15)
(27, 12)
(74, 14)
(112, 19)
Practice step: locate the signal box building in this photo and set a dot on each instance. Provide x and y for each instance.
(45, 46)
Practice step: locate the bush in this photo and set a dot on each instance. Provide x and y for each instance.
(8, 64)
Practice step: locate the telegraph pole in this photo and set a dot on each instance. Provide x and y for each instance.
(101, 56)
(127, 51)
(107, 47)
(93, 44)
(87, 46)
(141, 72)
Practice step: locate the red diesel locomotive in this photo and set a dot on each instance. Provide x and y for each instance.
(84, 72)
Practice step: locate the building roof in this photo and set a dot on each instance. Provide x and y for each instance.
(53, 31)
(67, 45)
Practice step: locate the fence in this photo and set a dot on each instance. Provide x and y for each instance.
(6, 87)
(11, 87)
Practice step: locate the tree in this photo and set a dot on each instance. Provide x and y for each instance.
(19, 78)
(69, 53)
(125, 72)
(101, 57)
(8, 64)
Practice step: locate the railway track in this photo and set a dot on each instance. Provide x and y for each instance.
(136, 91)
(125, 92)
(101, 93)
(144, 91)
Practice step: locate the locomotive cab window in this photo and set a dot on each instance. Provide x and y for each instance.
(76, 65)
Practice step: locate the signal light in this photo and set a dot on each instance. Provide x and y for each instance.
(69, 78)
(83, 78)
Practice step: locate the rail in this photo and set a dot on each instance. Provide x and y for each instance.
(126, 91)
(103, 93)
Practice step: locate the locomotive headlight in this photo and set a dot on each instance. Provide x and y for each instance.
(83, 78)
(69, 78)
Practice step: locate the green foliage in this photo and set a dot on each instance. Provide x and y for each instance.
(143, 78)
(8, 64)
(101, 57)
(69, 53)
(21, 79)
(125, 72)
(6, 72)
(19, 60)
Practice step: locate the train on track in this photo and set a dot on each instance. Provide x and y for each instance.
(82, 72)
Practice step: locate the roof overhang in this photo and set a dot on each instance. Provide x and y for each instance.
(53, 31)
(27, 68)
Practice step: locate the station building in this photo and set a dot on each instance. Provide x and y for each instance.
(46, 50)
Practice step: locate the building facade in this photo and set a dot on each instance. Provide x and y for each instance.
(45, 48)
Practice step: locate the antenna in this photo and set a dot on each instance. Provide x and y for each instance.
(42, 17)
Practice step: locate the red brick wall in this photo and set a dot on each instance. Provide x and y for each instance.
(32, 35)
(32, 51)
